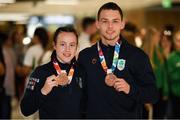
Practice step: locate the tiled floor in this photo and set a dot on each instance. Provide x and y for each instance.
(16, 114)
(16, 110)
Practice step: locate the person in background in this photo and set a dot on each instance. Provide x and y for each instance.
(19, 48)
(3, 37)
(152, 48)
(55, 88)
(129, 32)
(119, 78)
(94, 38)
(173, 65)
(34, 54)
(167, 47)
(88, 29)
(9, 77)
(166, 41)
(48, 51)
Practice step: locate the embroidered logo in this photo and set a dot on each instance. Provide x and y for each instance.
(32, 82)
(121, 64)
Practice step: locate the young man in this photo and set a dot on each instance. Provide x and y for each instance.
(55, 88)
(119, 76)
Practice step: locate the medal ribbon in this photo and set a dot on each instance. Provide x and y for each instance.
(59, 71)
(115, 58)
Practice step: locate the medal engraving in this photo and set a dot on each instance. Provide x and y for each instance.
(110, 79)
(62, 79)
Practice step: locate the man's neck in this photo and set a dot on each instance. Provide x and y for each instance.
(109, 42)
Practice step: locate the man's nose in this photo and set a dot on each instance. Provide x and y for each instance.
(110, 24)
(68, 48)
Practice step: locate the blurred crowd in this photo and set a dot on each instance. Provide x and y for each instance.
(162, 46)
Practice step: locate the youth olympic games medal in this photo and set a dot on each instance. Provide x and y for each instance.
(110, 78)
(62, 78)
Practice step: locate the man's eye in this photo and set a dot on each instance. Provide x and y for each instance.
(104, 21)
(72, 45)
(116, 21)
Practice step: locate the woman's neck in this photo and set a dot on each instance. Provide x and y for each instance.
(61, 61)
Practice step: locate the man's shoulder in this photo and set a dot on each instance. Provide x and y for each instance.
(87, 53)
(89, 50)
(133, 50)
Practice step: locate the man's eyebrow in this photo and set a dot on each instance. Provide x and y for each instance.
(112, 19)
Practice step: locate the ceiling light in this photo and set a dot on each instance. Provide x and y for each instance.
(62, 2)
(16, 17)
(7, 1)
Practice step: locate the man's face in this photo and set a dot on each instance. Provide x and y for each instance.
(66, 46)
(110, 24)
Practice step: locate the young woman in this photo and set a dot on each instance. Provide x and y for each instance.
(55, 88)
(173, 70)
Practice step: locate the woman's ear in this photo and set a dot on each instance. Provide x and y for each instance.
(54, 45)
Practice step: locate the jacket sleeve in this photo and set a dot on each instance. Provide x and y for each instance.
(33, 99)
(145, 90)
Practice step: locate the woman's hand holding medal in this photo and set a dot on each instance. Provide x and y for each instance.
(51, 81)
(49, 84)
(62, 79)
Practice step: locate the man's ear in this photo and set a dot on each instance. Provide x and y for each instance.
(122, 24)
(97, 24)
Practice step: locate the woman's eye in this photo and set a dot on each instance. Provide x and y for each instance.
(62, 44)
(104, 21)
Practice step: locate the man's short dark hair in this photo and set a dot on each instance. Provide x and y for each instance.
(110, 6)
(87, 21)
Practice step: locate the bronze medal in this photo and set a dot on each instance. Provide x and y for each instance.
(63, 79)
(110, 79)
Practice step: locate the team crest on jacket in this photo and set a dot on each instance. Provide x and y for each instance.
(121, 64)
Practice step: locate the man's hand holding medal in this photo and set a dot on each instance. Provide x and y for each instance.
(110, 78)
(118, 83)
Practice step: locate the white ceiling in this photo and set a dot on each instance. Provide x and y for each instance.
(84, 7)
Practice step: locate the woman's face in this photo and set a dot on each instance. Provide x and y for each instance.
(165, 42)
(177, 42)
(66, 46)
